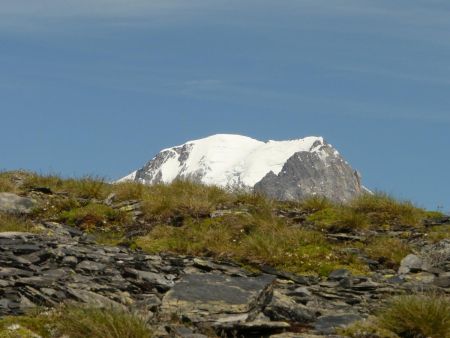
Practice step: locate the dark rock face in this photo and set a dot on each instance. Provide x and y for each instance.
(150, 173)
(308, 174)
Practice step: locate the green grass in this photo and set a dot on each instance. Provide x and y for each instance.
(423, 315)
(37, 322)
(382, 209)
(86, 187)
(368, 328)
(252, 239)
(438, 233)
(16, 224)
(7, 182)
(369, 211)
(80, 322)
(77, 321)
(93, 216)
(164, 203)
(339, 218)
(387, 250)
(407, 316)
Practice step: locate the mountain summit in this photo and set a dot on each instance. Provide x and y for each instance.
(284, 170)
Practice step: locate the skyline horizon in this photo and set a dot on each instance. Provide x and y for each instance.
(113, 180)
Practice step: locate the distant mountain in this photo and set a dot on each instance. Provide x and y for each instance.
(284, 170)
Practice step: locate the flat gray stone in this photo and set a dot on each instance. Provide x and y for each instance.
(12, 203)
(212, 297)
(329, 323)
(90, 266)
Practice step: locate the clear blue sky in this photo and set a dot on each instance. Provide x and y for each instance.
(99, 86)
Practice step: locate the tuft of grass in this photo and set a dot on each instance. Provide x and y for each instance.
(86, 187)
(165, 203)
(387, 250)
(6, 182)
(129, 190)
(423, 315)
(383, 209)
(368, 211)
(76, 321)
(34, 324)
(93, 216)
(316, 203)
(368, 328)
(16, 223)
(339, 219)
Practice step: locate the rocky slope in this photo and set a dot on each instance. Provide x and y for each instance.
(284, 170)
(65, 264)
(208, 296)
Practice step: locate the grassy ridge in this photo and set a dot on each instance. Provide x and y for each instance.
(190, 218)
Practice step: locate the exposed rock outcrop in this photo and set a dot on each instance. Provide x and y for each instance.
(308, 174)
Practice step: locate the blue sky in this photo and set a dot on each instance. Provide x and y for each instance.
(99, 86)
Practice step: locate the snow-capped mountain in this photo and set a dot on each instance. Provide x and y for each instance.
(282, 169)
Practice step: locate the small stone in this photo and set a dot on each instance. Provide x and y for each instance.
(70, 260)
(443, 280)
(410, 263)
(339, 274)
(110, 199)
(301, 291)
(366, 286)
(90, 266)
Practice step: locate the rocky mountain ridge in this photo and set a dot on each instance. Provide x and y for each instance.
(284, 170)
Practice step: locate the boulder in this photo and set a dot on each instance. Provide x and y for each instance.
(282, 307)
(410, 263)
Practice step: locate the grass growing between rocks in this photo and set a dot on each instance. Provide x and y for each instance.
(76, 321)
(253, 240)
(94, 216)
(409, 316)
(438, 233)
(387, 250)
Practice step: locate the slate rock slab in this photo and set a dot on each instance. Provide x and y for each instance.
(329, 323)
(212, 297)
(15, 204)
